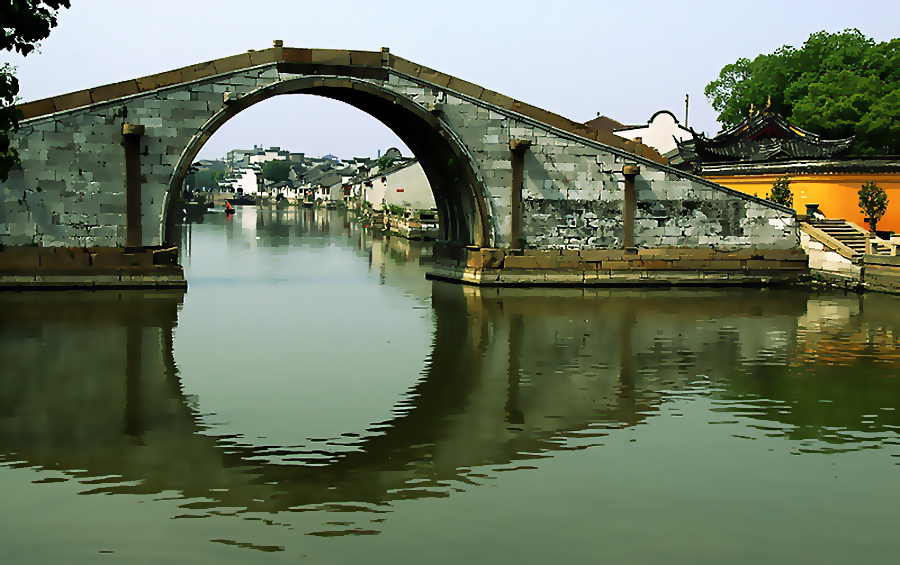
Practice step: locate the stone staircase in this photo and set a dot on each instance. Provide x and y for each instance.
(851, 235)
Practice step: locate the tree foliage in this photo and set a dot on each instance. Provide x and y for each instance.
(873, 202)
(384, 162)
(276, 171)
(23, 23)
(781, 192)
(835, 85)
(205, 179)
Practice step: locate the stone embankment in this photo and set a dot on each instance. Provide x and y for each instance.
(615, 267)
(89, 268)
(836, 262)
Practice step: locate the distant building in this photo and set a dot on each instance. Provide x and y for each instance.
(605, 124)
(404, 185)
(270, 154)
(247, 180)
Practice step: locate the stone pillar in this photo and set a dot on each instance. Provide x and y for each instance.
(518, 148)
(131, 140)
(630, 171)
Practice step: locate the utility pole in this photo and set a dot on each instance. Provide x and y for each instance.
(687, 100)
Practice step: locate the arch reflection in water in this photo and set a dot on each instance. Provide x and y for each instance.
(513, 376)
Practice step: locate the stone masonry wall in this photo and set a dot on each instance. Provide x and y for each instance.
(71, 191)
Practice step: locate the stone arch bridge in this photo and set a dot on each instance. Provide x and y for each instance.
(524, 196)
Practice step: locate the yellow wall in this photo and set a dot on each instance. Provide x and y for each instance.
(836, 194)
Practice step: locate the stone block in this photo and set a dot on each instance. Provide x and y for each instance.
(465, 87)
(738, 255)
(690, 264)
(697, 254)
(783, 254)
(725, 265)
(485, 258)
(522, 262)
(564, 276)
(653, 264)
(802, 264)
(195, 72)
(263, 56)
(330, 57)
(670, 254)
(497, 99)
(19, 258)
(37, 108)
(365, 59)
(115, 90)
(598, 255)
(160, 80)
(73, 100)
(295, 55)
(63, 258)
(757, 264)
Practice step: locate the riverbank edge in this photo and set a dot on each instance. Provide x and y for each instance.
(669, 266)
(90, 268)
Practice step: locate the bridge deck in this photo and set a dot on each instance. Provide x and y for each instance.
(325, 62)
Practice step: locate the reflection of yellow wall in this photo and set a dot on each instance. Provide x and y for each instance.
(836, 194)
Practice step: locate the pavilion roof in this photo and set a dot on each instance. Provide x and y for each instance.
(763, 137)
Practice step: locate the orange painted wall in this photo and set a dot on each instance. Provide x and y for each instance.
(836, 194)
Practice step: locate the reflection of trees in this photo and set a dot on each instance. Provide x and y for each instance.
(840, 373)
(511, 375)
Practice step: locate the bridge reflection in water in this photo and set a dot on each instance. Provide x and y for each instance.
(90, 383)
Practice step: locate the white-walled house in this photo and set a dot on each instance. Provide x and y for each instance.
(660, 133)
(247, 180)
(406, 186)
(270, 154)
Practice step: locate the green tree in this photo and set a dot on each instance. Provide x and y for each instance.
(873, 202)
(781, 192)
(384, 163)
(23, 23)
(205, 179)
(835, 85)
(276, 171)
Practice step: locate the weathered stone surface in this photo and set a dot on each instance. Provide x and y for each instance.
(70, 192)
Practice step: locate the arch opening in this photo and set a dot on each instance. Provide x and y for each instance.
(458, 192)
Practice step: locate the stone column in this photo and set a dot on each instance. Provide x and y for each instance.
(518, 148)
(630, 171)
(131, 140)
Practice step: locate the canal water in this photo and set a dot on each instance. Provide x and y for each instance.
(313, 398)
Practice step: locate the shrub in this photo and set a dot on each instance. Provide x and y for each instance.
(873, 202)
(781, 192)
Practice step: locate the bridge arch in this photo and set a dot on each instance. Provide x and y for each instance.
(458, 190)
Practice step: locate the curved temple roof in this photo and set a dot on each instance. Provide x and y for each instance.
(763, 137)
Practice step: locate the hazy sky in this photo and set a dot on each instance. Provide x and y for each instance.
(624, 59)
